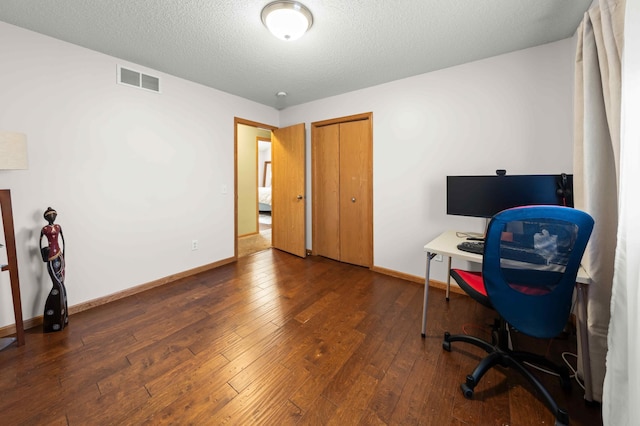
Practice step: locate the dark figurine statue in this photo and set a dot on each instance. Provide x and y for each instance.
(56, 315)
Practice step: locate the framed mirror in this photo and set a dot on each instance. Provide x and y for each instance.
(266, 178)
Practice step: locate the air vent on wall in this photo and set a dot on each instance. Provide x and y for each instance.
(138, 79)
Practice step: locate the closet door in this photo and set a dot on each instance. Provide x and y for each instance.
(356, 218)
(326, 191)
(342, 189)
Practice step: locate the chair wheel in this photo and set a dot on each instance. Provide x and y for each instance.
(446, 345)
(565, 383)
(562, 417)
(466, 391)
(565, 378)
(467, 387)
(494, 338)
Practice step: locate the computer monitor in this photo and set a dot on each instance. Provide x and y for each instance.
(484, 196)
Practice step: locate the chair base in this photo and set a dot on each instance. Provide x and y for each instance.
(499, 354)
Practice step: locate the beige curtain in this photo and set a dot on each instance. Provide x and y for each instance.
(621, 393)
(597, 165)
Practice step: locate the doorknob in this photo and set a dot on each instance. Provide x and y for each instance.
(299, 197)
(353, 199)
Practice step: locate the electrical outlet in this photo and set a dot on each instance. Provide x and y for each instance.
(194, 245)
(438, 258)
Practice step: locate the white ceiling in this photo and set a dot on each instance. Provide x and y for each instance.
(353, 44)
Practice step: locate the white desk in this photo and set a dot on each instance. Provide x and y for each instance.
(446, 245)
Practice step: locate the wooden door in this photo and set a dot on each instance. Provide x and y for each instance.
(326, 191)
(356, 234)
(288, 189)
(342, 161)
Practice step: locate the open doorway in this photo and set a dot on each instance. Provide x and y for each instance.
(288, 232)
(253, 189)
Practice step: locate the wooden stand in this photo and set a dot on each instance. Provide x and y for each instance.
(12, 267)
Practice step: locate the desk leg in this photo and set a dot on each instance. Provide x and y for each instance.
(426, 294)
(448, 278)
(584, 340)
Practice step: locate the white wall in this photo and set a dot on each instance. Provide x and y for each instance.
(512, 112)
(134, 175)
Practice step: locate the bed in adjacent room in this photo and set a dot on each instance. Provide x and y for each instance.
(264, 198)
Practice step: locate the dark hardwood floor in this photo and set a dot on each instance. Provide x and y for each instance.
(272, 339)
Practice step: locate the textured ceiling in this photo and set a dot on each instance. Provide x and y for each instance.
(353, 44)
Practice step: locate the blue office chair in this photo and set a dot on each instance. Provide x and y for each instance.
(531, 258)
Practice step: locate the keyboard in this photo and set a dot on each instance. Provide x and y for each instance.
(512, 253)
(522, 255)
(476, 247)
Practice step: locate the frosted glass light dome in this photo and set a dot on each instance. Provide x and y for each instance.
(287, 20)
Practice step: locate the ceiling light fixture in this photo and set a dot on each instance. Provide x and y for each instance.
(287, 20)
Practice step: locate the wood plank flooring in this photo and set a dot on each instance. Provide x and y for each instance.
(277, 340)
